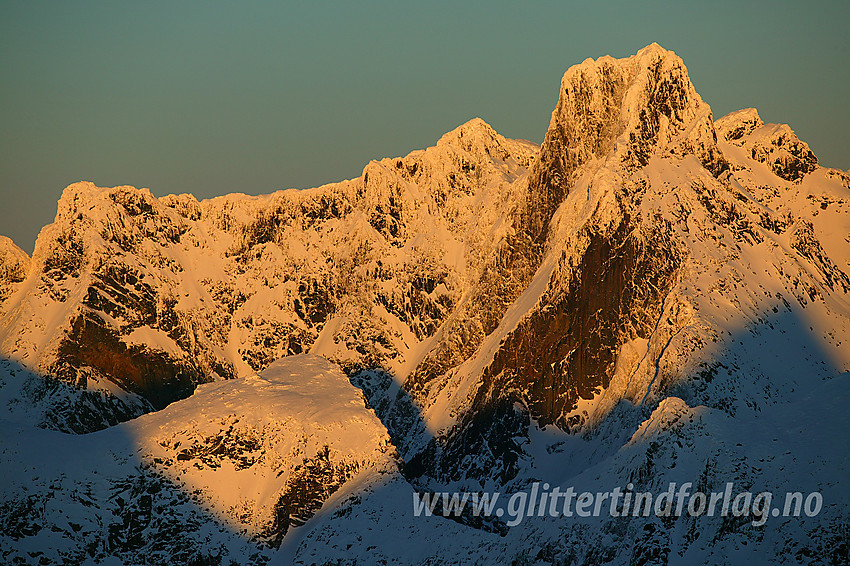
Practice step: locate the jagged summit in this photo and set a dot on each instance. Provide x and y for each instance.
(14, 266)
(774, 145)
(738, 124)
(631, 182)
(475, 128)
(159, 294)
(649, 296)
(478, 213)
(632, 108)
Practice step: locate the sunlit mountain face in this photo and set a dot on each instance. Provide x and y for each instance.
(652, 296)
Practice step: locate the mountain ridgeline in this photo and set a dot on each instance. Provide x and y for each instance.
(475, 292)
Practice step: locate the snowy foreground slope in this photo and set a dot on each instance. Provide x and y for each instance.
(650, 296)
(237, 464)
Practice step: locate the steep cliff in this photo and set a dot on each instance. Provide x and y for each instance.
(649, 296)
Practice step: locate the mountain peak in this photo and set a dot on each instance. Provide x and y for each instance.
(643, 103)
(655, 50)
(621, 112)
(14, 265)
(91, 208)
(775, 145)
(475, 132)
(612, 283)
(473, 125)
(738, 124)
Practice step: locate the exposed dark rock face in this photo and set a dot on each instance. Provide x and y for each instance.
(583, 126)
(155, 376)
(486, 445)
(143, 518)
(566, 350)
(307, 489)
(70, 408)
(787, 156)
(777, 146)
(806, 244)
(594, 310)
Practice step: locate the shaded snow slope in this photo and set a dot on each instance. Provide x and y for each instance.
(229, 471)
(668, 245)
(775, 450)
(649, 296)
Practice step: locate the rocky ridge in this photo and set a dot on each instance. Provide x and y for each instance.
(608, 307)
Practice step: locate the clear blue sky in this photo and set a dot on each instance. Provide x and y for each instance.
(211, 98)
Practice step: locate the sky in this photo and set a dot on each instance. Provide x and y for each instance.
(217, 97)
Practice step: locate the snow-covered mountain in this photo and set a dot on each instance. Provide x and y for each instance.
(239, 462)
(649, 296)
(132, 294)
